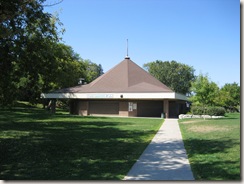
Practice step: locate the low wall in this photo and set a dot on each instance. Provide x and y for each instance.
(184, 116)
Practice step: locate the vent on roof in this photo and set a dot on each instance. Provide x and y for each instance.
(81, 81)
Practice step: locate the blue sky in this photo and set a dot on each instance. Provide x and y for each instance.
(204, 34)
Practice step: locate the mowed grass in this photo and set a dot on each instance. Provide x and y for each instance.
(213, 147)
(36, 145)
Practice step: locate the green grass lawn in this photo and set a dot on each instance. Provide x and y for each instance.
(37, 145)
(213, 147)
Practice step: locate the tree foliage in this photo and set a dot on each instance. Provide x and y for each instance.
(25, 28)
(32, 59)
(229, 97)
(205, 92)
(59, 68)
(175, 75)
(92, 70)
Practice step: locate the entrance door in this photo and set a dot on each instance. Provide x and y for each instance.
(149, 108)
(173, 109)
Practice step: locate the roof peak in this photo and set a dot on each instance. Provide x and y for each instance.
(126, 76)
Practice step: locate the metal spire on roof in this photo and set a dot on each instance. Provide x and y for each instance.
(127, 54)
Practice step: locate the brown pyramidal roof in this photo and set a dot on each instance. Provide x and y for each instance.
(124, 77)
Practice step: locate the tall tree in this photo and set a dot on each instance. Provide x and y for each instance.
(60, 68)
(229, 97)
(204, 91)
(175, 75)
(24, 30)
(69, 67)
(32, 60)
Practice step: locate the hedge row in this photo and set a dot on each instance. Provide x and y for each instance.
(212, 111)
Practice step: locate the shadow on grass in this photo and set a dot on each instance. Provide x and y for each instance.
(68, 150)
(19, 113)
(204, 146)
(213, 167)
(217, 170)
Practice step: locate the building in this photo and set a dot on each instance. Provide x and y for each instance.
(125, 90)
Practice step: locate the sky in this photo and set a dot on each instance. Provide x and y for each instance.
(204, 34)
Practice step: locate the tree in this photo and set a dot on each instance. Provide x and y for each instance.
(32, 59)
(70, 67)
(25, 31)
(92, 70)
(60, 68)
(204, 92)
(229, 97)
(36, 62)
(175, 75)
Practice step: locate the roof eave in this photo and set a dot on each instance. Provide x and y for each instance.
(118, 95)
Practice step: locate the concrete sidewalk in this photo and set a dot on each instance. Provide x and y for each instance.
(165, 157)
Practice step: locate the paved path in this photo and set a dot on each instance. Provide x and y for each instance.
(165, 157)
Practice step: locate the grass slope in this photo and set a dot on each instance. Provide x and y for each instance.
(213, 147)
(37, 145)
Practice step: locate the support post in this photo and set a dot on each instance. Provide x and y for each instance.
(53, 106)
(166, 108)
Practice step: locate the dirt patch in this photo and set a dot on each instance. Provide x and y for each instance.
(207, 129)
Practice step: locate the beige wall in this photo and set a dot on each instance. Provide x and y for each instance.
(143, 108)
(83, 108)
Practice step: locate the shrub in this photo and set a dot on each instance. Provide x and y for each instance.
(215, 111)
(197, 110)
(212, 111)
